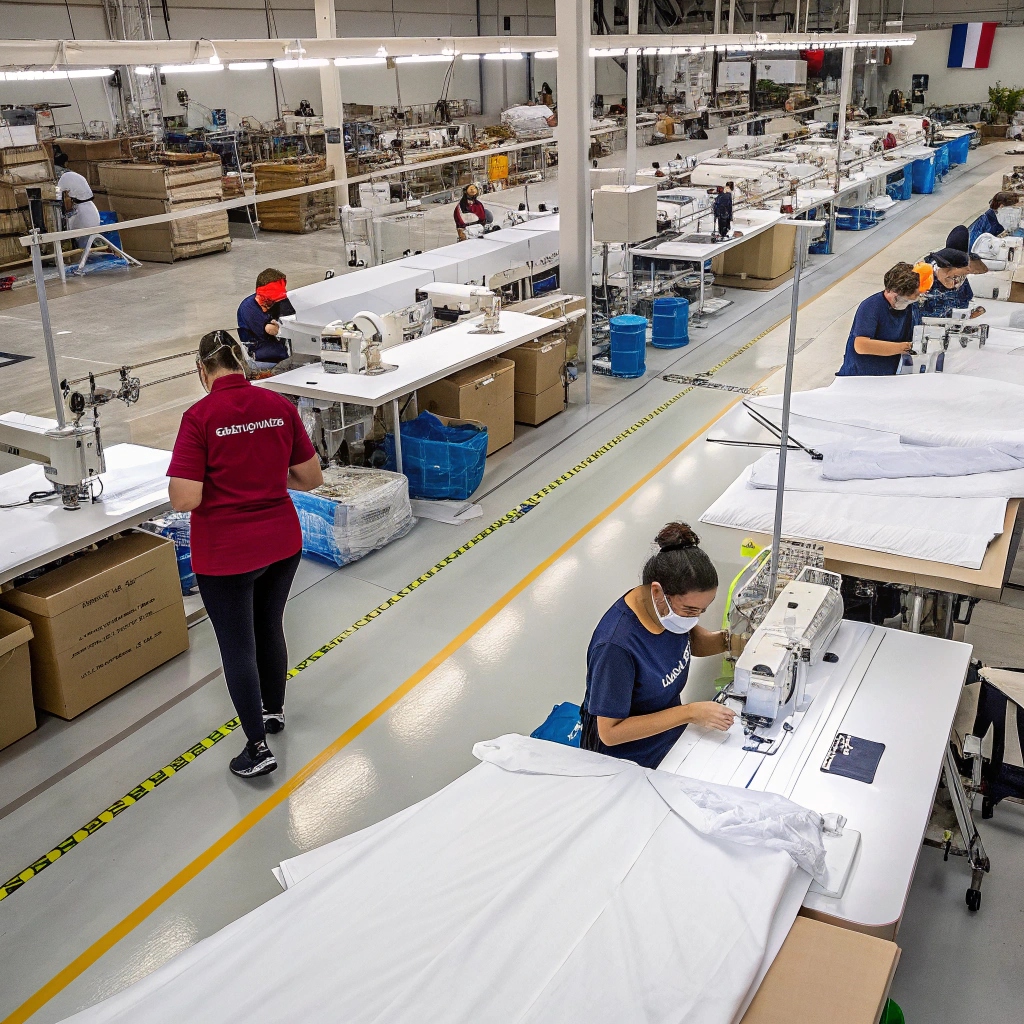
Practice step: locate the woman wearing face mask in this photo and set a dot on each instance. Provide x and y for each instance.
(883, 326)
(639, 656)
(237, 452)
(1002, 216)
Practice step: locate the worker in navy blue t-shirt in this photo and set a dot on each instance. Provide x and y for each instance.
(639, 656)
(258, 323)
(883, 326)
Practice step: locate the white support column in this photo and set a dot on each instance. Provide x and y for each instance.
(572, 27)
(718, 17)
(631, 62)
(732, 16)
(846, 86)
(330, 94)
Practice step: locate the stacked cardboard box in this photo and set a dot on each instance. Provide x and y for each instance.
(761, 263)
(298, 214)
(22, 167)
(149, 189)
(484, 392)
(17, 713)
(540, 393)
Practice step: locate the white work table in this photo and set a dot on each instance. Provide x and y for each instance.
(891, 687)
(419, 362)
(750, 222)
(135, 489)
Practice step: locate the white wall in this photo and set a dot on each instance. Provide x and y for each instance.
(954, 85)
(251, 94)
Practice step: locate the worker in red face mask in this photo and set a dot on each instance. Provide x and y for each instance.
(258, 319)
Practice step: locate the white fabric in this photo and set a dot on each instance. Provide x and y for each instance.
(928, 408)
(948, 530)
(547, 884)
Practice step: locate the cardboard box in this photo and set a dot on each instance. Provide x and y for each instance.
(825, 975)
(535, 409)
(1017, 286)
(17, 715)
(484, 392)
(625, 213)
(161, 181)
(164, 243)
(101, 621)
(768, 255)
(538, 364)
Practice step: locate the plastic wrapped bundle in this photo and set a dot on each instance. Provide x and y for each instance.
(354, 512)
(177, 526)
(442, 458)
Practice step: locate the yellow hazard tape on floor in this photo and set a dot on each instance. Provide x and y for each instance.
(107, 815)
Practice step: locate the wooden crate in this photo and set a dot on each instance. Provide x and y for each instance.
(14, 209)
(176, 239)
(176, 183)
(298, 214)
(25, 165)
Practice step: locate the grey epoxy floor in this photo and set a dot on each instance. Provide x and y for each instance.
(487, 647)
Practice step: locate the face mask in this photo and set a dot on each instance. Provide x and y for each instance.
(901, 303)
(672, 622)
(1008, 217)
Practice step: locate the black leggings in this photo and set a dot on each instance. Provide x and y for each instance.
(247, 612)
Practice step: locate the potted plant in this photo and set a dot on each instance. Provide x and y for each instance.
(1005, 102)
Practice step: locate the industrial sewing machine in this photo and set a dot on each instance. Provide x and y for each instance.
(354, 346)
(998, 253)
(452, 302)
(933, 337)
(71, 454)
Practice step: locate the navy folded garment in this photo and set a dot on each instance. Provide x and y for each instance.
(853, 757)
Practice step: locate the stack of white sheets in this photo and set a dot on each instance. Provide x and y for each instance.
(920, 466)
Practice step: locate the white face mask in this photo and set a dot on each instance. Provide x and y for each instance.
(901, 303)
(1008, 217)
(672, 622)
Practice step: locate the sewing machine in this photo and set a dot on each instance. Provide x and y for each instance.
(997, 253)
(354, 346)
(770, 676)
(453, 301)
(932, 338)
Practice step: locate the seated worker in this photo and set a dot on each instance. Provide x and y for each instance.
(258, 325)
(76, 194)
(959, 239)
(639, 656)
(618, 108)
(883, 326)
(470, 211)
(990, 223)
(950, 288)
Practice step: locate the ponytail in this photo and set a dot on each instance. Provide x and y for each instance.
(680, 565)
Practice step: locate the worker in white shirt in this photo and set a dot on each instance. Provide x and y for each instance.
(76, 192)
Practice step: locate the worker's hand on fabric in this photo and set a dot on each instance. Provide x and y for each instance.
(709, 715)
(273, 328)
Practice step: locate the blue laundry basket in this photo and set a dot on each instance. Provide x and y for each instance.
(901, 188)
(941, 161)
(856, 218)
(958, 149)
(109, 217)
(923, 175)
(442, 459)
(671, 323)
(628, 346)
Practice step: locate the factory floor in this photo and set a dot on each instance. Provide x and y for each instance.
(485, 647)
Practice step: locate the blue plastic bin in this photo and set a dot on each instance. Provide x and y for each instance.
(856, 218)
(109, 217)
(923, 175)
(628, 346)
(941, 160)
(958, 149)
(671, 323)
(901, 188)
(441, 459)
(177, 527)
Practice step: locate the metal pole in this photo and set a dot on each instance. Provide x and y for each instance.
(44, 316)
(787, 394)
(718, 17)
(732, 16)
(634, 22)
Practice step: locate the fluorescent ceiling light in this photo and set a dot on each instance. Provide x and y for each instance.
(311, 62)
(45, 76)
(431, 58)
(356, 62)
(546, 54)
(503, 56)
(185, 69)
(249, 65)
(596, 52)
(471, 56)
(144, 70)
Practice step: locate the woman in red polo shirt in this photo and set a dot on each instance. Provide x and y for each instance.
(238, 451)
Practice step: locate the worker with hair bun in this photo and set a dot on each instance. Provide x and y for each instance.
(639, 656)
(237, 453)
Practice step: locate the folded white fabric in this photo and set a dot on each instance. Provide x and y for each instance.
(954, 531)
(910, 460)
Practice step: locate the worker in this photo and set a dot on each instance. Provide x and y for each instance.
(990, 221)
(959, 239)
(883, 326)
(722, 209)
(950, 288)
(639, 656)
(237, 452)
(546, 97)
(76, 194)
(470, 211)
(258, 317)
(618, 108)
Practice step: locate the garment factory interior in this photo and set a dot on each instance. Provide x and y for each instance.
(658, 250)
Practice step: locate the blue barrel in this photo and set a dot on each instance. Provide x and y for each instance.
(671, 323)
(959, 148)
(941, 161)
(109, 217)
(628, 346)
(923, 175)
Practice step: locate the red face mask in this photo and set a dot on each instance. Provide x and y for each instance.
(273, 292)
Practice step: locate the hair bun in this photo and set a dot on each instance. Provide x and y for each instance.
(677, 536)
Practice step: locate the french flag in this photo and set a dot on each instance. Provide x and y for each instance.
(970, 45)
